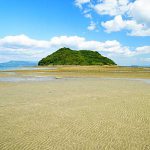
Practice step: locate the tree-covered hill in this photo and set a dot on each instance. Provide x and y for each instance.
(66, 56)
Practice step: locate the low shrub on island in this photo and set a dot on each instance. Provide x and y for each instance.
(66, 56)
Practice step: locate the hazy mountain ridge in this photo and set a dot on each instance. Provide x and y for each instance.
(15, 64)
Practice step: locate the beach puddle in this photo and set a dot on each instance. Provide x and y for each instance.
(24, 79)
(49, 78)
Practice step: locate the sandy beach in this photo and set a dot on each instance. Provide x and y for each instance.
(75, 113)
(75, 75)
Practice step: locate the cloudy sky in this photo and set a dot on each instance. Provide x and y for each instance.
(32, 29)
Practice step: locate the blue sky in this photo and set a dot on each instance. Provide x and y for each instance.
(32, 29)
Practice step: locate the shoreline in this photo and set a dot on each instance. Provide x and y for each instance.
(80, 71)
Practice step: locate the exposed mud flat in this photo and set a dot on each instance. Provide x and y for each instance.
(80, 113)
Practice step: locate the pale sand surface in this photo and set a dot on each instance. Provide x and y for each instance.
(75, 114)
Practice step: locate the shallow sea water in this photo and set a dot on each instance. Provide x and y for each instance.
(49, 78)
(24, 79)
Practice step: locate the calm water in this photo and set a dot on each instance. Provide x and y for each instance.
(25, 79)
(8, 68)
(25, 68)
(50, 78)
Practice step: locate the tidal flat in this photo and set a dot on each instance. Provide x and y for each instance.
(78, 111)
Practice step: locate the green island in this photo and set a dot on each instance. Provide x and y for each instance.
(66, 56)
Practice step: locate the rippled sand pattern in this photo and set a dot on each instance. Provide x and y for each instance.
(75, 114)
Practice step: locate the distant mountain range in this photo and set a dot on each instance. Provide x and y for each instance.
(17, 64)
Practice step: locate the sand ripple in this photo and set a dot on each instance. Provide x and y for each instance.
(75, 115)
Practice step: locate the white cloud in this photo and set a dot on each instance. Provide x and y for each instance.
(88, 16)
(140, 11)
(114, 25)
(147, 60)
(135, 13)
(143, 50)
(112, 7)
(21, 47)
(22, 41)
(79, 3)
(118, 24)
(92, 26)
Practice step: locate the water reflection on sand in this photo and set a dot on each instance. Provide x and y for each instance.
(49, 78)
(23, 79)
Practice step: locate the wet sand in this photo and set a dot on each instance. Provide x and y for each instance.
(75, 114)
(81, 71)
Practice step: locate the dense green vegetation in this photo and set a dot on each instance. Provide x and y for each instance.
(66, 56)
